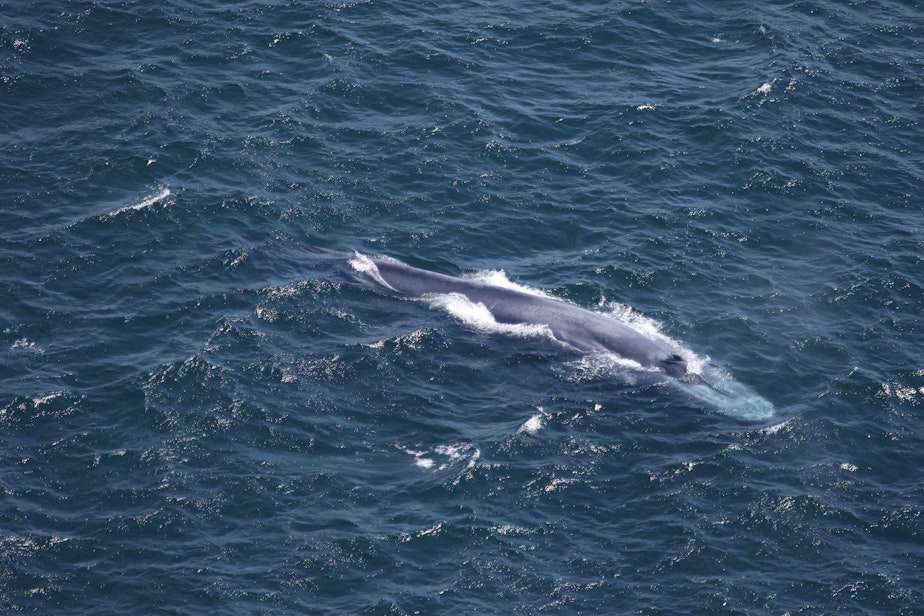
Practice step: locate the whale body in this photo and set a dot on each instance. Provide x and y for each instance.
(581, 329)
(576, 327)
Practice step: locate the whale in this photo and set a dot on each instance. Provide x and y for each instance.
(571, 325)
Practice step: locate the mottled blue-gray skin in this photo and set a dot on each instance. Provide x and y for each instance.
(577, 327)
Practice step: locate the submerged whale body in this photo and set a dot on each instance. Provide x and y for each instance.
(577, 327)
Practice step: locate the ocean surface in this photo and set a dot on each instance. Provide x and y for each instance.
(203, 413)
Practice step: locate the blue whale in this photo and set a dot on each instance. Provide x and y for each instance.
(579, 328)
(571, 325)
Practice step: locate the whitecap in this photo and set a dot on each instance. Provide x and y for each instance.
(146, 202)
(442, 457)
(533, 424)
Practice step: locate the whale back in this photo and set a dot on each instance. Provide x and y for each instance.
(579, 328)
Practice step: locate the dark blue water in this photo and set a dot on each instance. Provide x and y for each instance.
(201, 414)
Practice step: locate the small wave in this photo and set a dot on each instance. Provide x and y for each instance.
(909, 394)
(445, 456)
(775, 428)
(533, 424)
(46, 398)
(144, 203)
(27, 345)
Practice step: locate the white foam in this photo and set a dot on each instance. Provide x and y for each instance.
(46, 398)
(533, 424)
(597, 366)
(23, 343)
(148, 201)
(432, 530)
(775, 428)
(364, 265)
(477, 316)
(450, 455)
(559, 483)
(412, 340)
(454, 452)
(498, 278)
(644, 325)
(904, 393)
